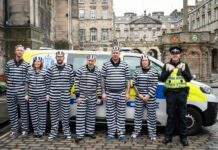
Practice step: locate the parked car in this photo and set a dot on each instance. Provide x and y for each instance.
(202, 103)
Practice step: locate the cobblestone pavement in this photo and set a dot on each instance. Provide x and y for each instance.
(207, 139)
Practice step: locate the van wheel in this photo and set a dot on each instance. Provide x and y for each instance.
(193, 121)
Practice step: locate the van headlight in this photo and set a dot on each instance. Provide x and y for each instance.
(206, 89)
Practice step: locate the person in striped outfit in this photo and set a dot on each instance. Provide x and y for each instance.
(15, 73)
(88, 81)
(145, 82)
(36, 95)
(115, 91)
(59, 81)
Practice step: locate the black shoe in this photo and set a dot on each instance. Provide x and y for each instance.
(92, 136)
(167, 140)
(77, 140)
(184, 142)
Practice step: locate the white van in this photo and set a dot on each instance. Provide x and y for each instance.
(202, 103)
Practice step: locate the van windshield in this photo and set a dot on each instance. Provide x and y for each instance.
(78, 60)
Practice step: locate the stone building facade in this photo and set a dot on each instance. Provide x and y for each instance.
(204, 17)
(141, 32)
(95, 25)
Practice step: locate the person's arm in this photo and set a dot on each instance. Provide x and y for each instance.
(48, 80)
(154, 82)
(135, 82)
(186, 73)
(27, 86)
(127, 74)
(71, 77)
(6, 71)
(99, 89)
(77, 83)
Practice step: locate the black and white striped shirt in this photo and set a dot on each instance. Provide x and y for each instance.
(60, 77)
(88, 81)
(115, 75)
(15, 72)
(146, 81)
(36, 82)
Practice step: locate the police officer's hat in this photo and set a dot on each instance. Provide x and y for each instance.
(37, 58)
(175, 49)
(59, 53)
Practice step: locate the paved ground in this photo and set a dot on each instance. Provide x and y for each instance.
(207, 139)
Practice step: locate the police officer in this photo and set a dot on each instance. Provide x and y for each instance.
(59, 81)
(36, 91)
(115, 90)
(145, 82)
(15, 73)
(176, 74)
(88, 81)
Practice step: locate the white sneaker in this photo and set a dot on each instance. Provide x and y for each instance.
(68, 138)
(51, 138)
(153, 139)
(24, 134)
(133, 136)
(13, 135)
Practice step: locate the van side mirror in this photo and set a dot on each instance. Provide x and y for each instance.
(194, 77)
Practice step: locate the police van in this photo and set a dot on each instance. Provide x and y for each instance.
(202, 103)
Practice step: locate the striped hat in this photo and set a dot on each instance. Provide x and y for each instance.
(91, 56)
(37, 58)
(59, 53)
(116, 48)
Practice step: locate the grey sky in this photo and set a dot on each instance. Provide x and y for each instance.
(138, 6)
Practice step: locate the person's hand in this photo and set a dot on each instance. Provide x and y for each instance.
(78, 101)
(47, 98)
(169, 67)
(127, 96)
(98, 101)
(181, 66)
(104, 96)
(140, 96)
(146, 97)
(26, 98)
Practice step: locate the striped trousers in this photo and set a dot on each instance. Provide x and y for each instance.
(59, 111)
(38, 112)
(15, 95)
(151, 116)
(85, 115)
(116, 113)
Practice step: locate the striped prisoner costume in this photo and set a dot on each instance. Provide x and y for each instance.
(60, 80)
(145, 80)
(37, 91)
(87, 82)
(15, 73)
(115, 77)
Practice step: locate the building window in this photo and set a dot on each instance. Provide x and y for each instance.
(216, 1)
(126, 33)
(209, 17)
(117, 34)
(136, 34)
(104, 1)
(203, 20)
(104, 34)
(81, 14)
(81, 1)
(153, 32)
(93, 14)
(93, 1)
(82, 35)
(104, 14)
(93, 33)
(216, 13)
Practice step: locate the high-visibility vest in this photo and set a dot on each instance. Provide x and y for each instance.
(175, 80)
